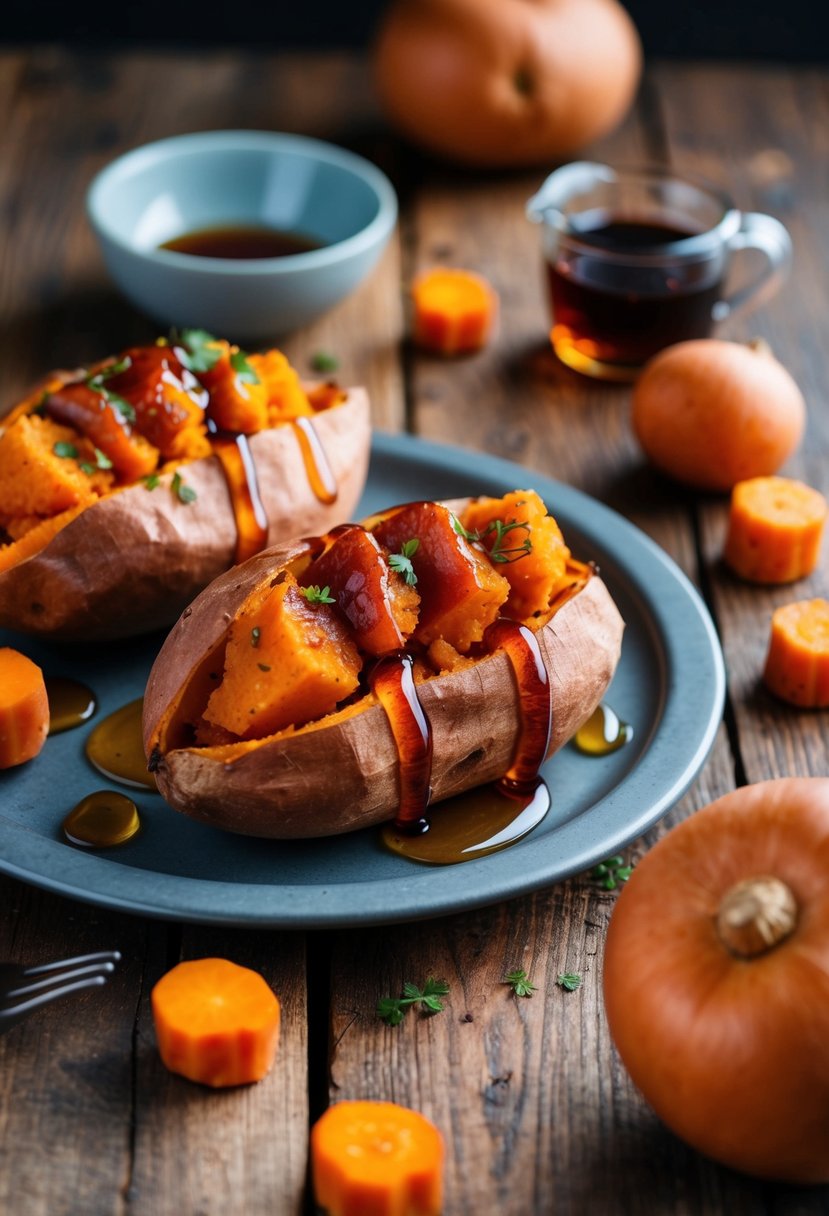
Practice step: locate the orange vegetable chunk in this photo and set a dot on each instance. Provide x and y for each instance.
(460, 592)
(288, 661)
(168, 401)
(36, 479)
(377, 1159)
(79, 406)
(454, 311)
(236, 402)
(536, 575)
(216, 1022)
(24, 708)
(797, 663)
(378, 604)
(775, 528)
(285, 395)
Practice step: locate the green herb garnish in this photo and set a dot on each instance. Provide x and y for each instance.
(239, 363)
(151, 481)
(521, 985)
(611, 872)
(97, 383)
(317, 595)
(402, 562)
(498, 551)
(321, 361)
(569, 981)
(67, 451)
(198, 351)
(101, 462)
(182, 491)
(263, 666)
(255, 635)
(392, 1009)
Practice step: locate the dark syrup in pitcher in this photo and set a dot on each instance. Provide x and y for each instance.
(618, 312)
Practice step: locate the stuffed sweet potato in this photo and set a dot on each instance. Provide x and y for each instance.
(262, 714)
(127, 487)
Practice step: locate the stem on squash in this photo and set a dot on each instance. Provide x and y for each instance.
(756, 915)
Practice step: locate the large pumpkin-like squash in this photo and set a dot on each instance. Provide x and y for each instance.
(506, 82)
(716, 979)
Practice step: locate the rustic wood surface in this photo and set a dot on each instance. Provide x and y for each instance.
(536, 1107)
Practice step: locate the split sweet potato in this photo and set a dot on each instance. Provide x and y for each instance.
(315, 768)
(115, 509)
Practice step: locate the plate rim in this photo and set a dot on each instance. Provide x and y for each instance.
(417, 895)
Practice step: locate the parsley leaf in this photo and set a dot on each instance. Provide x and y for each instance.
(67, 451)
(199, 351)
(97, 383)
(521, 985)
(402, 562)
(322, 361)
(101, 462)
(391, 1009)
(239, 363)
(498, 551)
(317, 595)
(151, 481)
(569, 981)
(183, 492)
(611, 872)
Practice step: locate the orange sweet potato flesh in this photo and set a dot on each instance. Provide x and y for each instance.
(168, 401)
(215, 1022)
(461, 594)
(285, 394)
(265, 787)
(24, 708)
(797, 663)
(379, 606)
(77, 405)
(534, 573)
(132, 560)
(287, 662)
(378, 1158)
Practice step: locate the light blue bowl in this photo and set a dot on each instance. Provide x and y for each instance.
(222, 178)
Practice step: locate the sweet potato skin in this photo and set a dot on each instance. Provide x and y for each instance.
(132, 561)
(343, 774)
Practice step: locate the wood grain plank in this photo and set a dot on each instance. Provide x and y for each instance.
(224, 1152)
(66, 1084)
(778, 119)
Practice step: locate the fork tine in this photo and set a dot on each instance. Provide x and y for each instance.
(55, 979)
(103, 956)
(14, 1013)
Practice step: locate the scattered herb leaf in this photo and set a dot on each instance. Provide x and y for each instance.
(498, 551)
(255, 635)
(521, 985)
(569, 981)
(182, 491)
(199, 351)
(323, 361)
(67, 451)
(391, 1009)
(402, 562)
(317, 595)
(239, 363)
(611, 872)
(263, 666)
(151, 481)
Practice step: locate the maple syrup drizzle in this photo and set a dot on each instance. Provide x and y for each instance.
(102, 820)
(320, 474)
(239, 469)
(603, 732)
(393, 684)
(115, 747)
(491, 817)
(70, 704)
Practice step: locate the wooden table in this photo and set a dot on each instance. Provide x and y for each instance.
(536, 1107)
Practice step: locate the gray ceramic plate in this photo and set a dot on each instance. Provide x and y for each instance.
(669, 686)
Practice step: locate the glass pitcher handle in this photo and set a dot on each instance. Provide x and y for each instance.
(761, 232)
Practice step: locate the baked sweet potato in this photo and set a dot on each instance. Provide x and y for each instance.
(119, 500)
(322, 771)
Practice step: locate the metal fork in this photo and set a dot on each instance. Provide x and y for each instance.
(25, 989)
